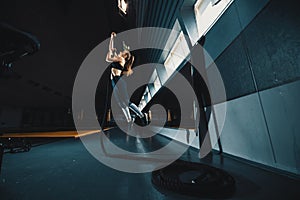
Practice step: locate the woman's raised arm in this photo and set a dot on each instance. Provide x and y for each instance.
(110, 57)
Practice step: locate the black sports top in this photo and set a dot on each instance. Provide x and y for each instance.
(117, 65)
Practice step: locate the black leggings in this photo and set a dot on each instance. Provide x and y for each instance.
(122, 97)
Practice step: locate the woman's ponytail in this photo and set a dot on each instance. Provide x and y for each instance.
(128, 66)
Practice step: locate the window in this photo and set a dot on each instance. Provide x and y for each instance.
(177, 55)
(179, 51)
(154, 83)
(145, 98)
(142, 104)
(208, 12)
(157, 84)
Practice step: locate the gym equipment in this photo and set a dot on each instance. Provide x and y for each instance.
(15, 44)
(194, 179)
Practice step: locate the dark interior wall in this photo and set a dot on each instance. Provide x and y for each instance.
(46, 119)
(40, 85)
(234, 68)
(266, 54)
(67, 31)
(272, 42)
(15, 119)
(260, 67)
(10, 117)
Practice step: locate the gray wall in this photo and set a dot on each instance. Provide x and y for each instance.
(259, 59)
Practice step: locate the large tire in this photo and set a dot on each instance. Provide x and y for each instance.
(194, 179)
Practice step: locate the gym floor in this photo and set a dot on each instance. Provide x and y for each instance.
(63, 169)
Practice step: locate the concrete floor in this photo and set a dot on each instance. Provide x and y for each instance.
(65, 170)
